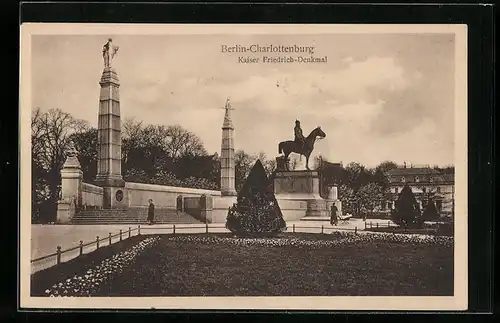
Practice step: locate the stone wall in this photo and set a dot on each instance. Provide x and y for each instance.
(92, 196)
(214, 209)
(192, 206)
(138, 194)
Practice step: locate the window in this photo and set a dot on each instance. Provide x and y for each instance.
(439, 205)
(438, 189)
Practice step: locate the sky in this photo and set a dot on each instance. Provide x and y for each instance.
(379, 97)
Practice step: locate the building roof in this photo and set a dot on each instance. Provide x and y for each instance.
(401, 171)
(423, 175)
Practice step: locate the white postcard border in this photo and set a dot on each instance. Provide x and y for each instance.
(456, 302)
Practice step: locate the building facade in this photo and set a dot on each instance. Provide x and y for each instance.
(426, 183)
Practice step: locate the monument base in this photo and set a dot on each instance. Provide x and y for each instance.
(115, 198)
(301, 185)
(317, 208)
(297, 185)
(65, 211)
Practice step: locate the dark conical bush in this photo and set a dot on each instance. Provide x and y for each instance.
(407, 211)
(430, 212)
(256, 211)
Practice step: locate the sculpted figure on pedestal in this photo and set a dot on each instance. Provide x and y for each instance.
(108, 52)
(301, 145)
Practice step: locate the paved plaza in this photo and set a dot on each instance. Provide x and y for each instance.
(46, 238)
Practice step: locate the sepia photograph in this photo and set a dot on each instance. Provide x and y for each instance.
(243, 167)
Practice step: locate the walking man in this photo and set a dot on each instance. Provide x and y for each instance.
(151, 212)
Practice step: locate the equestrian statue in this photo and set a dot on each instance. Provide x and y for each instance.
(301, 145)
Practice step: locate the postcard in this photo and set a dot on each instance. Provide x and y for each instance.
(276, 167)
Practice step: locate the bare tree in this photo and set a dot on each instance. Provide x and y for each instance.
(180, 142)
(50, 135)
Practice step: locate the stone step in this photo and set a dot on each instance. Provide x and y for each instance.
(315, 218)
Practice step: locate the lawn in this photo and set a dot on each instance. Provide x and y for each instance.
(191, 265)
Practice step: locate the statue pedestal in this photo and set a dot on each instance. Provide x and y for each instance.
(300, 186)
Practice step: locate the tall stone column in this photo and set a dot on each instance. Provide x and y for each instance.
(109, 155)
(109, 131)
(227, 182)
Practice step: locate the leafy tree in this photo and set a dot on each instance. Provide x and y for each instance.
(381, 170)
(164, 178)
(369, 197)
(135, 176)
(242, 164)
(348, 198)
(156, 147)
(256, 210)
(407, 210)
(356, 175)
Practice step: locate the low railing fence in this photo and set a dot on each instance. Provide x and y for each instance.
(205, 228)
(97, 242)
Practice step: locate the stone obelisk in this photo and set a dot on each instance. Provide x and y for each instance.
(227, 182)
(109, 131)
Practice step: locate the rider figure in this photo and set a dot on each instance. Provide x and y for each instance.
(299, 137)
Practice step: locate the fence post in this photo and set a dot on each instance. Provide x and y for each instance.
(110, 238)
(120, 234)
(81, 247)
(388, 224)
(58, 255)
(365, 225)
(139, 230)
(206, 228)
(173, 229)
(294, 228)
(377, 224)
(371, 224)
(129, 231)
(321, 228)
(97, 242)
(355, 230)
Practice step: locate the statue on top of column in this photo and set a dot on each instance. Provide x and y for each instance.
(228, 104)
(108, 52)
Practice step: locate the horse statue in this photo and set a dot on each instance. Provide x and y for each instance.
(291, 146)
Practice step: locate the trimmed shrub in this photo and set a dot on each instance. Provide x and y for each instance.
(430, 212)
(256, 212)
(407, 211)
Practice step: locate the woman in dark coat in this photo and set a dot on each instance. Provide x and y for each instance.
(333, 215)
(151, 212)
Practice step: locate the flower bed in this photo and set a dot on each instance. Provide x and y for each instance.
(298, 264)
(335, 239)
(88, 282)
